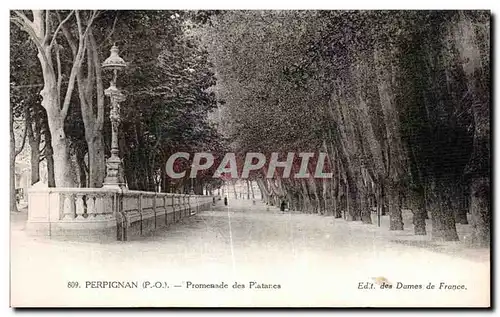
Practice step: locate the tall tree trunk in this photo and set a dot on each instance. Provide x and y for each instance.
(365, 206)
(294, 201)
(335, 200)
(442, 216)
(339, 199)
(316, 201)
(419, 211)
(60, 144)
(353, 209)
(200, 186)
(82, 169)
(141, 173)
(327, 201)
(251, 187)
(264, 193)
(35, 162)
(34, 142)
(480, 210)
(93, 113)
(152, 172)
(459, 205)
(49, 157)
(132, 178)
(300, 202)
(13, 201)
(395, 214)
(248, 189)
(306, 200)
(97, 164)
(383, 200)
(164, 178)
(234, 189)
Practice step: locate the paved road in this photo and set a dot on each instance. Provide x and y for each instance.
(315, 261)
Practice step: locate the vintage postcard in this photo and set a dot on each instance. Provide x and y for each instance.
(250, 158)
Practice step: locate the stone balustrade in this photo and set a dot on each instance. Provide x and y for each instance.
(104, 213)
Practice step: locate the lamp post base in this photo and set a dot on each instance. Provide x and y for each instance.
(115, 185)
(114, 174)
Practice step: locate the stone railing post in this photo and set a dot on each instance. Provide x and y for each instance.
(174, 206)
(185, 203)
(165, 199)
(140, 209)
(68, 206)
(154, 207)
(80, 211)
(179, 203)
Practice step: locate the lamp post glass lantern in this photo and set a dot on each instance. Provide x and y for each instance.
(114, 170)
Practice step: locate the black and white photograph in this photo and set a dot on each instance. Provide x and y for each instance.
(250, 158)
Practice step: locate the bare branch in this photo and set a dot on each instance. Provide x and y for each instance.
(85, 87)
(99, 85)
(61, 23)
(83, 98)
(24, 19)
(38, 24)
(108, 37)
(47, 27)
(68, 36)
(90, 70)
(59, 74)
(75, 69)
(79, 25)
(28, 27)
(77, 61)
(91, 20)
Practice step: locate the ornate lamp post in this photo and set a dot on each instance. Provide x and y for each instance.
(114, 170)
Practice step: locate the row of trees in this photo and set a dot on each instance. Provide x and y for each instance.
(400, 102)
(57, 90)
